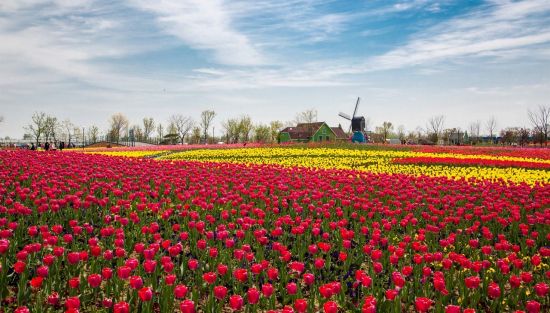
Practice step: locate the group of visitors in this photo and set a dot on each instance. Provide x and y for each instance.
(52, 146)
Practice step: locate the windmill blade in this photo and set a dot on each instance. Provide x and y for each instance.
(356, 106)
(344, 115)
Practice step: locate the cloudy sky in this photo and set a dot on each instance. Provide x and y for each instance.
(408, 60)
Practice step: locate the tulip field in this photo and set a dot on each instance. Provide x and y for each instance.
(275, 229)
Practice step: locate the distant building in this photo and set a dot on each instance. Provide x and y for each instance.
(312, 132)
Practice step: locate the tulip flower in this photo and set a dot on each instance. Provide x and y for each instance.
(236, 302)
(145, 294)
(187, 306)
(330, 307)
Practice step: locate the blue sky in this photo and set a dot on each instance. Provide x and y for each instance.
(408, 60)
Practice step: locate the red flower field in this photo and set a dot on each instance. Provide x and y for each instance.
(92, 233)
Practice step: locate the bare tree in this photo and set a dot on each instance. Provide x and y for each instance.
(474, 131)
(148, 127)
(118, 125)
(206, 119)
(401, 133)
(160, 132)
(491, 126)
(307, 116)
(182, 124)
(37, 126)
(93, 133)
(195, 135)
(262, 133)
(540, 119)
(435, 127)
(275, 126)
(51, 128)
(385, 130)
(1, 118)
(245, 127)
(232, 131)
(68, 129)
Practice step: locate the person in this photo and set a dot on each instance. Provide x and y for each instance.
(33, 147)
(61, 146)
(47, 146)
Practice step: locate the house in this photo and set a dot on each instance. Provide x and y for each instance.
(312, 132)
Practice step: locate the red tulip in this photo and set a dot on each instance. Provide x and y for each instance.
(472, 282)
(300, 305)
(94, 280)
(121, 307)
(53, 299)
(19, 267)
(423, 304)
(267, 290)
(330, 307)
(452, 309)
(493, 290)
(22, 309)
(220, 292)
(180, 291)
(541, 289)
(72, 303)
(36, 282)
(236, 302)
(532, 307)
(391, 294)
(209, 277)
(253, 295)
(187, 306)
(136, 282)
(107, 302)
(291, 288)
(145, 294)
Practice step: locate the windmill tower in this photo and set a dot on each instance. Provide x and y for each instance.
(357, 124)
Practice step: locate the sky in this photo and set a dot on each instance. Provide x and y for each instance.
(270, 59)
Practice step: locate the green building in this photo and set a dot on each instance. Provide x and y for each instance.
(312, 132)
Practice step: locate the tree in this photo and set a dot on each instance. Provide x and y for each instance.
(474, 131)
(1, 118)
(118, 125)
(148, 127)
(491, 126)
(307, 116)
(182, 125)
(37, 126)
(195, 135)
(93, 133)
(435, 127)
(51, 128)
(540, 119)
(68, 129)
(385, 130)
(275, 128)
(401, 133)
(245, 127)
(206, 119)
(160, 132)
(262, 133)
(232, 131)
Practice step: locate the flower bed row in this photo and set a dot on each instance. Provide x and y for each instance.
(471, 162)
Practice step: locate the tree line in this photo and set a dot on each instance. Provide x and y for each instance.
(185, 129)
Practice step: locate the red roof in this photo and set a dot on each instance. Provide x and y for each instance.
(340, 133)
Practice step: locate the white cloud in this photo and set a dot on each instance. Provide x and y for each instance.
(204, 25)
(501, 28)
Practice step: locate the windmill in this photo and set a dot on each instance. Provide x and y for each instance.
(357, 123)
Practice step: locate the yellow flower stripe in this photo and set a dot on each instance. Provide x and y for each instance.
(375, 161)
(128, 154)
